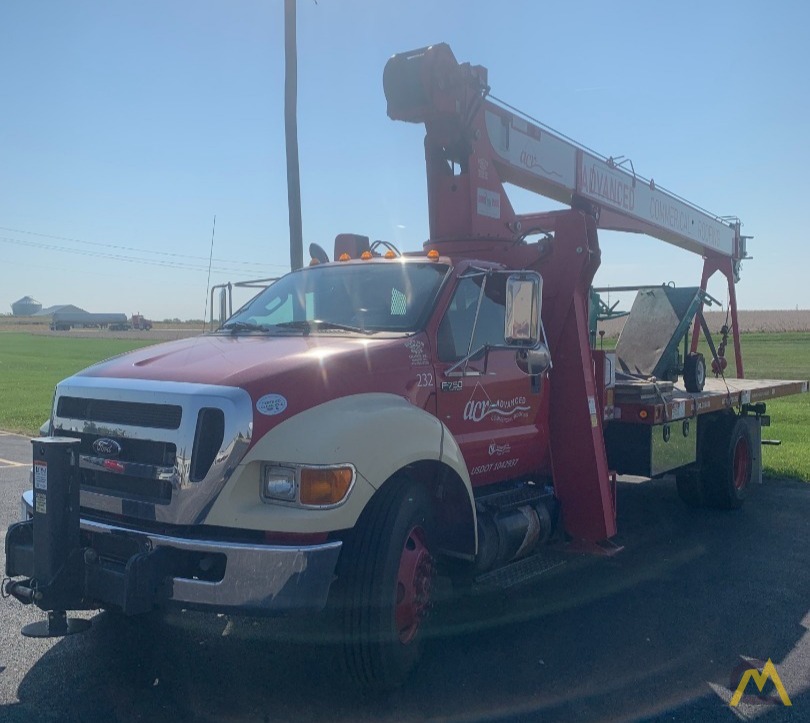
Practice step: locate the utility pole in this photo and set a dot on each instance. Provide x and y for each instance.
(291, 133)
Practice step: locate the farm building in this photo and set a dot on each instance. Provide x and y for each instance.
(27, 306)
(60, 308)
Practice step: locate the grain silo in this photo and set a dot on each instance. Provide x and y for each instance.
(27, 306)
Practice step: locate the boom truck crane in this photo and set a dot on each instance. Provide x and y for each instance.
(366, 424)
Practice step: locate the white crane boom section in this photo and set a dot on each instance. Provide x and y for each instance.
(544, 162)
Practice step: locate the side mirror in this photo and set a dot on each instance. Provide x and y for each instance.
(523, 326)
(223, 306)
(524, 294)
(536, 360)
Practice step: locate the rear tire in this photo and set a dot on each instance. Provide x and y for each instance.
(730, 464)
(386, 574)
(690, 487)
(721, 477)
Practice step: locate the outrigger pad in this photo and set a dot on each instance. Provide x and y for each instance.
(658, 322)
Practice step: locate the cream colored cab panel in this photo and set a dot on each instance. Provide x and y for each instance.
(377, 433)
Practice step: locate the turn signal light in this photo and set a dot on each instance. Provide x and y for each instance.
(325, 486)
(643, 414)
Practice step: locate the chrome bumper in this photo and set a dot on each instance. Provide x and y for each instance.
(256, 578)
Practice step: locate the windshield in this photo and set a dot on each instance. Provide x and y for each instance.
(366, 297)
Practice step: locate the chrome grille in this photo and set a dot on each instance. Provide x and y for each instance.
(142, 489)
(143, 451)
(164, 459)
(139, 414)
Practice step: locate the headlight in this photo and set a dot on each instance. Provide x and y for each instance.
(307, 486)
(278, 483)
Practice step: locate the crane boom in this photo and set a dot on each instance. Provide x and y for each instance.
(467, 128)
(563, 170)
(474, 145)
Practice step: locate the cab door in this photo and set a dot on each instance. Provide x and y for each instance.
(490, 406)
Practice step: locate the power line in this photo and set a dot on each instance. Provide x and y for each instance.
(140, 250)
(118, 257)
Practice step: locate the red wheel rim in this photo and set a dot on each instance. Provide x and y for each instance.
(414, 580)
(742, 463)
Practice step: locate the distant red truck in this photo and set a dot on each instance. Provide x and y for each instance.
(140, 322)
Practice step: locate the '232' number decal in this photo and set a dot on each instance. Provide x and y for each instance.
(424, 380)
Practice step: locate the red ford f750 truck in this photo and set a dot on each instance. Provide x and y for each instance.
(363, 420)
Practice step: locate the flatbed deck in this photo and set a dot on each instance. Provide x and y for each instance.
(647, 403)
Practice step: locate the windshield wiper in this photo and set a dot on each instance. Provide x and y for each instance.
(308, 325)
(234, 326)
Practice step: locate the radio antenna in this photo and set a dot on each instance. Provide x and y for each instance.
(208, 283)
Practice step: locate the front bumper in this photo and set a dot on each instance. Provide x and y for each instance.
(137, 571)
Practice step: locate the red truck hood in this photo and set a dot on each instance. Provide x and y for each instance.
(306, 370)
(243, 360)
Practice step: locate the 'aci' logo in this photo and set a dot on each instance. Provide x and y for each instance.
(480, 406)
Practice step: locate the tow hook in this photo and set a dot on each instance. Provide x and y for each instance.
(19, 590)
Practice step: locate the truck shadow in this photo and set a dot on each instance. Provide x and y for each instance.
(635, 636)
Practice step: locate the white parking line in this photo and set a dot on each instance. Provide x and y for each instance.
(9, 463)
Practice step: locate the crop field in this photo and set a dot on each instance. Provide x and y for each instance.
(32, 364)
(771, 322)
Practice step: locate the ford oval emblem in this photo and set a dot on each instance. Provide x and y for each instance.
(106, 446)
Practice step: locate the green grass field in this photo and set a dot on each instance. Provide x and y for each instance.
(782, 356)
(31, 365)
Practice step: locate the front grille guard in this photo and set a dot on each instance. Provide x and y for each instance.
(190, 496)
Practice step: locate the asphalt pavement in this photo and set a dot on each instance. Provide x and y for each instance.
(661, 631)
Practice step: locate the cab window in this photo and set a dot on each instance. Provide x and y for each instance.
(456, 327)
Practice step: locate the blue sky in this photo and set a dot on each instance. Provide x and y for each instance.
(125, 127)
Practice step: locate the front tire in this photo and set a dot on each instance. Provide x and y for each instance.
(386, 576)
